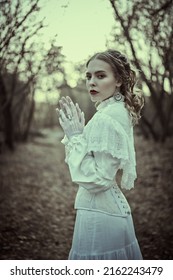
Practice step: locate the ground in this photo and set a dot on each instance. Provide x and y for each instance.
(37, 199)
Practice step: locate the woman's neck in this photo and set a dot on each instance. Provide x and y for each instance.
(107, 98)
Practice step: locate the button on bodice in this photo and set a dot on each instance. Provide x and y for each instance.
(121, 200)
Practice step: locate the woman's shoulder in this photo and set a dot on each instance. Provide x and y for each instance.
(106, 124)
(105, 134)
(117, 111)
(114, 116)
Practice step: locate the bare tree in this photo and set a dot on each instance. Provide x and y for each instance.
(17, 28)
(147, 28)
(24, 63)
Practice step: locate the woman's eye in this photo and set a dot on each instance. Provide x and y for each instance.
(100, 76)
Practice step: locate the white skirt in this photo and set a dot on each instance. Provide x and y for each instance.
(98, 236)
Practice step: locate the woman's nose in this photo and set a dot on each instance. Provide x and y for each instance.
(92, 81)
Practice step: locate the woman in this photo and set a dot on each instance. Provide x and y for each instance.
(94, 153)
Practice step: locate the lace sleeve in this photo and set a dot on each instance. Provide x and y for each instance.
(68, 146)
(106, 134)
(95, 171)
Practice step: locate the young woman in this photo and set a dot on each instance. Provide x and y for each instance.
(94, 153)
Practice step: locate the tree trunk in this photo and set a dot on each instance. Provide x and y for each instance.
(29, 121)
(7, 114)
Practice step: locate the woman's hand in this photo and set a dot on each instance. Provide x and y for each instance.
(71, 118)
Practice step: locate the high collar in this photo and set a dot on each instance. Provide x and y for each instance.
(109, 101)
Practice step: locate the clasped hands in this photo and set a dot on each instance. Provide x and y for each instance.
(71, 118)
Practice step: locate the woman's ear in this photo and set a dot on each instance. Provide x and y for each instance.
(119, 82)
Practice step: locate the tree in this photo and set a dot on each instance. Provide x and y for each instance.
(23, 60)
(15, 53)
(147, 31)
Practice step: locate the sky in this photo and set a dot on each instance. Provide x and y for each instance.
(81, 26)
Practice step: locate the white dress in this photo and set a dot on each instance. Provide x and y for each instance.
(104, 227)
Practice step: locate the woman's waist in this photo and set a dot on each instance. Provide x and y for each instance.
(111, 201)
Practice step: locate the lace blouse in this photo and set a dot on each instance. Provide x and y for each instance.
(95, 156)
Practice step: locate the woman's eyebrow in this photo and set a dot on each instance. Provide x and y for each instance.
(99, 71)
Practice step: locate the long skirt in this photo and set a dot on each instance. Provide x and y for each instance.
(99, 236)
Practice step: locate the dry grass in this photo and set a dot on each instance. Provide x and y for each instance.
(37, 197)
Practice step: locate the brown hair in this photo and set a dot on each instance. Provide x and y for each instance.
(134, 99)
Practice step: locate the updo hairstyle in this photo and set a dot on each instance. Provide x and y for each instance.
(134, 100)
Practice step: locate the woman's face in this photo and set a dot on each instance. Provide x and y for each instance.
(100, 80)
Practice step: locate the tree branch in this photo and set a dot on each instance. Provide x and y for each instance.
(5, 42)
(164, 7)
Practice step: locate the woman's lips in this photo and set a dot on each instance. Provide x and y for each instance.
(93, 92)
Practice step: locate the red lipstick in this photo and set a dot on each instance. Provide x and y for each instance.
(93, 92)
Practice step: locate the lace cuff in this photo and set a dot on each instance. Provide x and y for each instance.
(69, 143)
(65, 140)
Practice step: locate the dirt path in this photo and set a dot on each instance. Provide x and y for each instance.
(37, 197)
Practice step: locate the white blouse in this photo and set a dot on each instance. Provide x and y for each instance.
(95, 156)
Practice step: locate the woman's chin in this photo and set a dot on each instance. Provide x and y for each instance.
(94, 98)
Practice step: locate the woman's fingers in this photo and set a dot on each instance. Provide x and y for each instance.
(61, 103)
(63, 106)
(81, 115)
(78, 111)
(62, 115)
(69, 108)
(64, 100)
(57, 110)
(83, 119)
(72, 107)
(61, 122)
(58, 113)
(69, 100)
